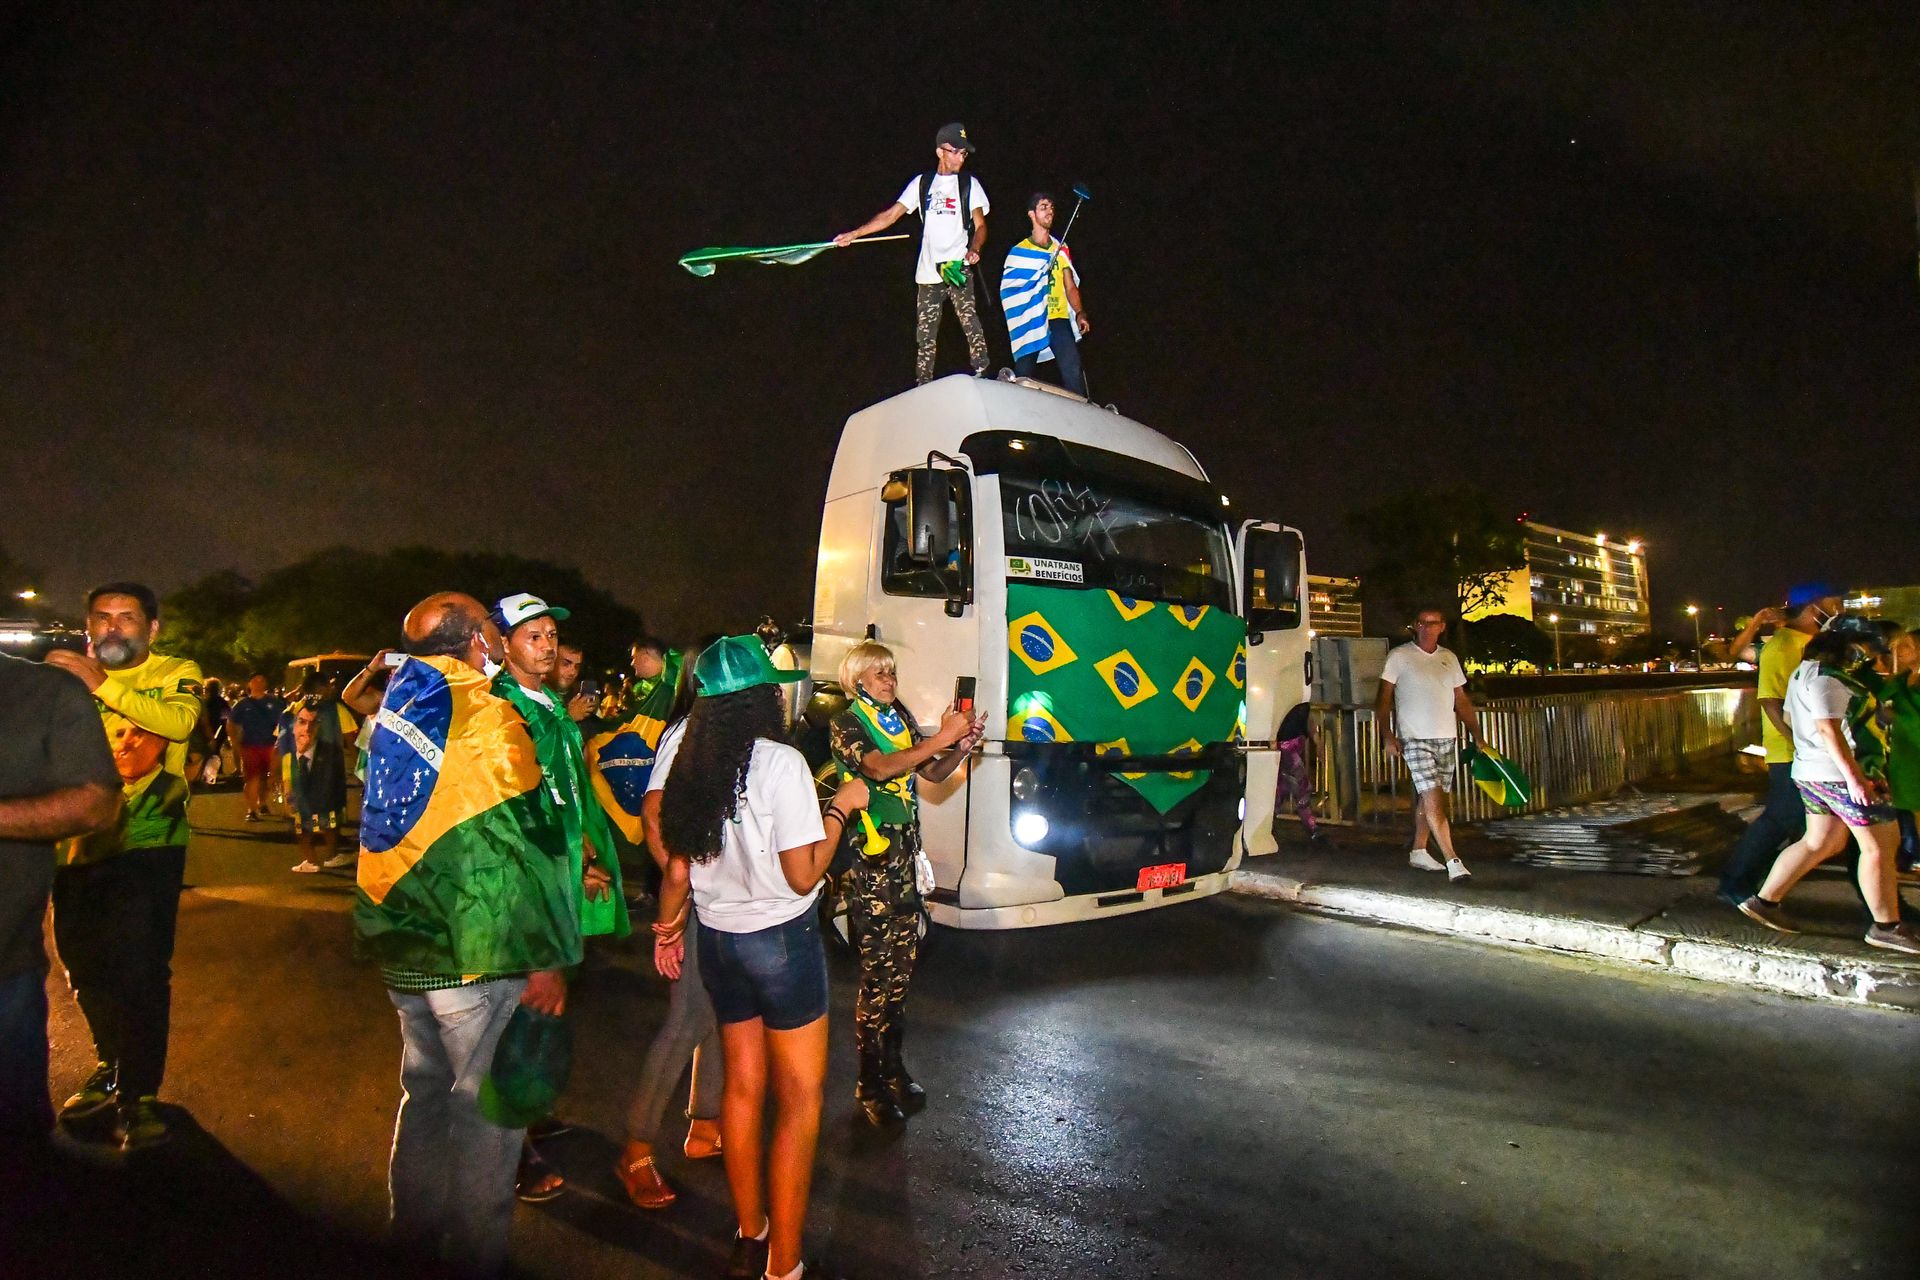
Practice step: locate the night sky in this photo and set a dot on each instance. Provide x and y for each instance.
(273, 281)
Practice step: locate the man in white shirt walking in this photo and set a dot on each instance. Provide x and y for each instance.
(953, 210)
(1423, 700)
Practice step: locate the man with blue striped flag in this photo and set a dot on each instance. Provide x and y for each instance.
(1040, 292)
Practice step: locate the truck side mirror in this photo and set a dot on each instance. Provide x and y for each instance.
(929, 526)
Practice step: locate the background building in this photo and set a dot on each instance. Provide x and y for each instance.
(1333, 606)
(1902, 604)
(1596, 585)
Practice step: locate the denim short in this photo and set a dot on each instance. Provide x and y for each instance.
(778, 975)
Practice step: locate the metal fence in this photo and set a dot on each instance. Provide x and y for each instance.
(1574, 746)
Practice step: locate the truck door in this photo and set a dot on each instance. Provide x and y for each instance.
(1273, 600)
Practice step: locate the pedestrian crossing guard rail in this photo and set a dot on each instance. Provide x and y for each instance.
(1575, 747)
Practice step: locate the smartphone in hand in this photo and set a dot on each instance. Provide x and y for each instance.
(963, 689)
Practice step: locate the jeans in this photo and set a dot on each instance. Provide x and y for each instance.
(450, 1177)
(689, 1026)
(1066, 358)
(26, 1113)
(113, 922)
(1783, 821)
(777, 974)
(1909, 840)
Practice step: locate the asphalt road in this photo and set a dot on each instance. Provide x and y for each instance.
(1214, 1089)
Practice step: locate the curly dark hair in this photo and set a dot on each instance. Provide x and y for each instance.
(709, 774)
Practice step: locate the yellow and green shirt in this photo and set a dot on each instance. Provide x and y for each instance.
(1778, 657)
(162, 696)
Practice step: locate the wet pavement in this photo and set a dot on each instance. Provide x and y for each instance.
(1218, 1088)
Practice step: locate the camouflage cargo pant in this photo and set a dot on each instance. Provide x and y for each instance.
(883, 912)
(926, 329)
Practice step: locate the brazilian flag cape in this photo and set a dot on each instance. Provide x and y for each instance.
(463, 855)
(621, 758)
(563, 762)
(1133, 677)
(892, 803)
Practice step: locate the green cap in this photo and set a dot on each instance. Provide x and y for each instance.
(735, 663)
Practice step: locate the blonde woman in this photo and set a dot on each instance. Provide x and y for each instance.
(876, 739)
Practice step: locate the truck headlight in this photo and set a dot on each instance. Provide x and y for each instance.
(1030, 828)
(1026, 783)
(1243, 808)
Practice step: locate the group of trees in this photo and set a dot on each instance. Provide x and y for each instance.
(345, 599)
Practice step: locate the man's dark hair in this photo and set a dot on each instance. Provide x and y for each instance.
(1033, 201)
(149, 603)
(1430, 607)
(650, 644)
(449, 637)
(313, 683)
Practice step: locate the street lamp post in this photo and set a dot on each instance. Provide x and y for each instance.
(1693, 611)
(1554, 618)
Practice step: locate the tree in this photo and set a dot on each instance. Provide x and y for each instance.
(345, 599)
(1506, 640)
(1440, 547)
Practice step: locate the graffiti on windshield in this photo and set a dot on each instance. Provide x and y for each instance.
(1066, 516)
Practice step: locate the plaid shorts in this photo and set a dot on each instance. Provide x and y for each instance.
(1431, 761)
(1833, 798)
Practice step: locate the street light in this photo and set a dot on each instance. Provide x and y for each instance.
(1554, 618)
(1693, 611)
(28, 594)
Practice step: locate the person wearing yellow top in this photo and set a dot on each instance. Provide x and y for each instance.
(116, 895)
(1784, 820)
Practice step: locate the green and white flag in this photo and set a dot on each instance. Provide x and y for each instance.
(703, 262)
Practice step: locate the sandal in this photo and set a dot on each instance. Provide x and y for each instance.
(645, 1187)
(703, 1140)
(537, 1181)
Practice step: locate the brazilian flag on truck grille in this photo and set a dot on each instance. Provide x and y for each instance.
(1132, 677)
(464, 865)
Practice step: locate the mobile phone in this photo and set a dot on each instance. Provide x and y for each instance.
(963, 694)
(394, 659)
(589, 689)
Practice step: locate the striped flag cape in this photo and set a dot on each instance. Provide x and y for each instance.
(464, 867)
(1023, 296)
(620, 758)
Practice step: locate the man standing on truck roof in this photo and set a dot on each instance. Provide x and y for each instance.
(1040, 292)
(951, 203)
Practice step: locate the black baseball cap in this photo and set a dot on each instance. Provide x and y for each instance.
(954, 135)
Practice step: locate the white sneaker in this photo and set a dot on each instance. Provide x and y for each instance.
(339, 860)
(1421, 860)
(1457, 870)
(307, 868)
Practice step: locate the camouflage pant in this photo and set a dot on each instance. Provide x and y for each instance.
(883, 911)
(926, 329)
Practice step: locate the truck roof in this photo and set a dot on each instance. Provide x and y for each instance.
(899, 431)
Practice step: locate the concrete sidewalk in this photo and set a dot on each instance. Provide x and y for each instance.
(1674, 925)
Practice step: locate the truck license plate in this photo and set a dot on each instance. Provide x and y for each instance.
(1164, 876)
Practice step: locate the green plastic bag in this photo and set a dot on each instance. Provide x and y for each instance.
(530, 1069)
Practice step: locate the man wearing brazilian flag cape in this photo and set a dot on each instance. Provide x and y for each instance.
(469, 898)
(621, 749)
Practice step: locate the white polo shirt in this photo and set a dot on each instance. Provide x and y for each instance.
(1423, 685)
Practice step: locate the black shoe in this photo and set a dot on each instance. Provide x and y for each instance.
(900, 1086)
(141, 1125)
(881, 1111)
(100, 1092)
(748, 1260)
(549, 1127)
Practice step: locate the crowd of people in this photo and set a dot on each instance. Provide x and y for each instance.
(492, 833)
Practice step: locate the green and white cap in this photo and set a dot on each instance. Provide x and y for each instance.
(736, 663)
(510, 611)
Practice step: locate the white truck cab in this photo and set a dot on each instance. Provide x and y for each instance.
(993, 530)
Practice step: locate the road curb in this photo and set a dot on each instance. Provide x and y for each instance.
(1797, 973)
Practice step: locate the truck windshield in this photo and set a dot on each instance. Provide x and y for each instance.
(1080, 530)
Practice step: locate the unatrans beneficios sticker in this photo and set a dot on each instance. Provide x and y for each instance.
(1046, 570)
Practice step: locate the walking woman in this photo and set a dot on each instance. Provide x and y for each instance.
(876, 739)
(745, 835)
(689, 1031)
(1840, 769)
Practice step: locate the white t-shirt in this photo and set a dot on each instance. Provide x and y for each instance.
(1423, 685)
(744, 890)
(1811, 698)
(947, 233)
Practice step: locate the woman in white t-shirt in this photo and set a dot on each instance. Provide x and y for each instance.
(1839, 768)
(745, 835)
